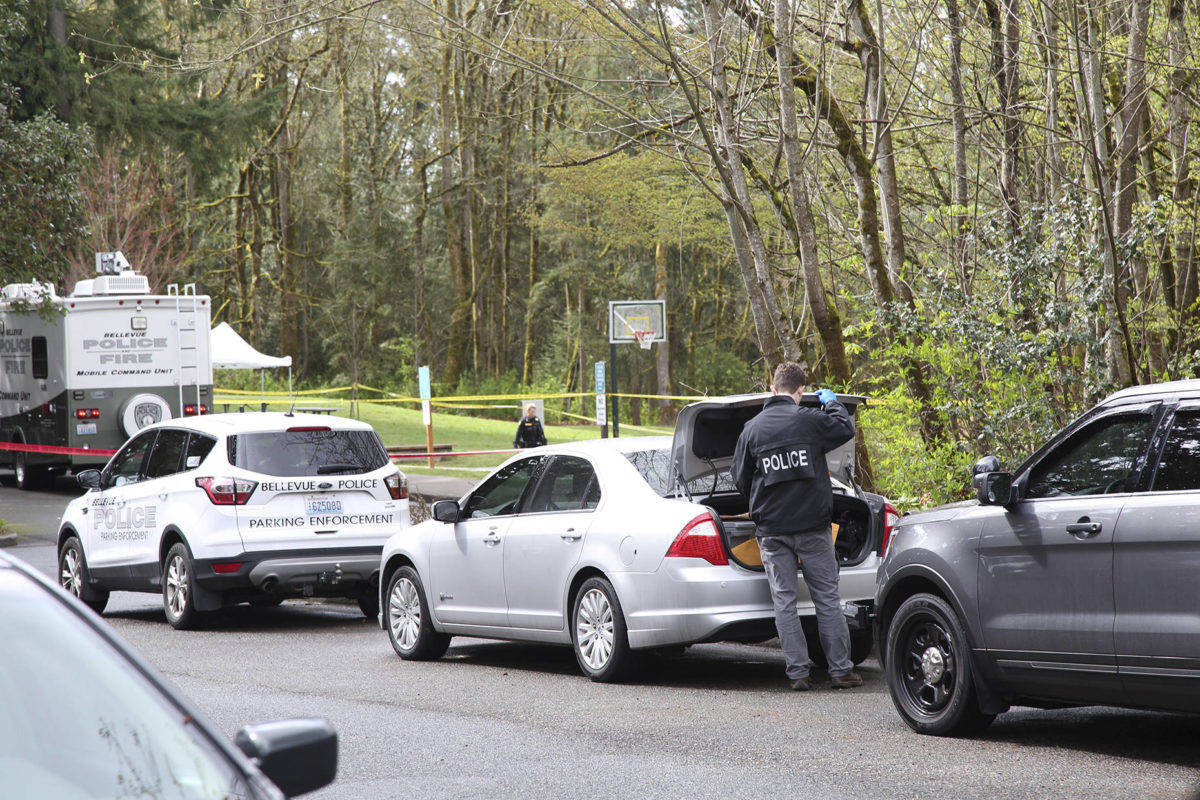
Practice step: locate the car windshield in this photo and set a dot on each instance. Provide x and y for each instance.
(79, 722)
(655, 468)
(308, 453)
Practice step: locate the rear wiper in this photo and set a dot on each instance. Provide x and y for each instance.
(328, 469)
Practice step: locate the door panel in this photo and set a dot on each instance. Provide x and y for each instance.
(545, 541)
(116, 517)
(149, 497)
(1156, 561)
(1046, 563)
(466, 558)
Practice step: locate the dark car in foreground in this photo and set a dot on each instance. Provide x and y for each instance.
(1069, 581)
(83, 717)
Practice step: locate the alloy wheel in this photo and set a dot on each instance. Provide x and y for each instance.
(177, 586)
(594, 628)
(404, 613)
(929, 671)
(70, 575)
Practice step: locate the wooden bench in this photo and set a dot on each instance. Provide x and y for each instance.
(398, 449)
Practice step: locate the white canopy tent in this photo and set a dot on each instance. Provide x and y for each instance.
(231, 351)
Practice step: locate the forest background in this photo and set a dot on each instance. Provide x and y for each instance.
(981, 213)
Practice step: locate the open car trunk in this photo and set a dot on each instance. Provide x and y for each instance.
(706, 433)
(853, 532)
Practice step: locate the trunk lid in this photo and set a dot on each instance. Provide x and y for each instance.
(707, 431)
(317, 487)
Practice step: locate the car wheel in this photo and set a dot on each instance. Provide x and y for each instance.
(599, 635)
(73, 575)
(861, 644)
(177, 582)
(28, 478)
(409, 623)
(929, 670)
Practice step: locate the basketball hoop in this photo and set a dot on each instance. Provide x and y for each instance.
(644, 339)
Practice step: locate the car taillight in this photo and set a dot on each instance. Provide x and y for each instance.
(189, 410)
(203, 408)
(94, 413)
(307, 428)
(890, 518)
(397, 486)
(227, 491)
(81, 413)
(227, 567)
(87, 413)
(700, 539)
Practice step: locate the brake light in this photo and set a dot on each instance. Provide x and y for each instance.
(397, 486)
(227, 567)
(890, 518)
(87, 413)
(307, 428)
(81, 413)
(700, 539)
(94, 413)
(203, 408)
(227, 491)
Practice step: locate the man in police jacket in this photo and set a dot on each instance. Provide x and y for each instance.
(779, 463)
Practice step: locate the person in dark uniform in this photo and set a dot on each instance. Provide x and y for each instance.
(529, 430)
(779, 463)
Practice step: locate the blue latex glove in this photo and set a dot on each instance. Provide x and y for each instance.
(826, 396)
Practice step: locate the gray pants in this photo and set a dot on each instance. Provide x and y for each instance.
(819, 564)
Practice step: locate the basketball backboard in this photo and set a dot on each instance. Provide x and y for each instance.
(634, 320)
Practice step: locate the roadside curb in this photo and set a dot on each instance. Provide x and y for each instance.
(8, 539)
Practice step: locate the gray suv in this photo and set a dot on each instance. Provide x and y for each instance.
(1070, 581)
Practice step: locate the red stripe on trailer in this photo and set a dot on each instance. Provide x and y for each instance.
(58, 451)
(451, 455)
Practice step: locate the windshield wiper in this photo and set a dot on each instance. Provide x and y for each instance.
(328, 469)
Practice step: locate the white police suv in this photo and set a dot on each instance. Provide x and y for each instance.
(229, 508)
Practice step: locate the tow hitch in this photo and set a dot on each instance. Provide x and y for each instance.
(860, 616)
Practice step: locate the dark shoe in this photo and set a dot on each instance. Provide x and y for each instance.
(848, 681)
(801, 685)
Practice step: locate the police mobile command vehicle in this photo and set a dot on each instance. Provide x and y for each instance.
(228, 508)
(89, 370)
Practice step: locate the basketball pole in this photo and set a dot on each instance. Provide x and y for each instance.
(613, 399)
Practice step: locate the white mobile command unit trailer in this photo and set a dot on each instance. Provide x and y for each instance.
(89, 370)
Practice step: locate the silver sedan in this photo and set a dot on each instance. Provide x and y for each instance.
(589, 544)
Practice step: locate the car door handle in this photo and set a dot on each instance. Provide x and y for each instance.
(1084, 528)
(491, 538)
(571, 535)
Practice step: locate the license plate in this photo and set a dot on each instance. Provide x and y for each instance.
(85, 428)
(318, 504)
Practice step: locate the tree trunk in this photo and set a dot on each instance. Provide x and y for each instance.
(958, 119)
(802, 230)
(1133, 107)
(459, 333)
(662, 360)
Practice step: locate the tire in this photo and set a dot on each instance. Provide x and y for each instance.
(861, 644)
(28, 478)
(408, 621)
(73, 575)
(929, 670)
(599, 635)
(177, 577)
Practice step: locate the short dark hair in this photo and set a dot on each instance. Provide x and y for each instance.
(789, 377)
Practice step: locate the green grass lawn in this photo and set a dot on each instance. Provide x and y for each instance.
(401, 425)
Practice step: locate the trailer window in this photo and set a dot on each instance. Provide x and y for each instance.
(41, 362)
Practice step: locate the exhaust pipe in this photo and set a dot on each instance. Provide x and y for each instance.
(269, 583)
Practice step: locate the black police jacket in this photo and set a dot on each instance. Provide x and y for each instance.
(529, 433)
(779, 463)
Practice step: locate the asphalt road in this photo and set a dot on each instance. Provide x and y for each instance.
(496, 720)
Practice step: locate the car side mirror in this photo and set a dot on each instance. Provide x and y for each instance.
(89, 479)
(446, 511)
(298, 755)
(995, 489)
(985, 465)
